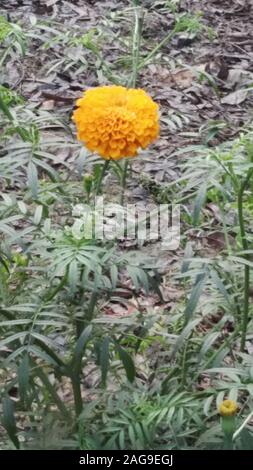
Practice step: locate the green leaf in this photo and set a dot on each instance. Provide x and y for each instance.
(51, 389)
(132, 436)
(80, 347)
(32, 177)
(244, 261)
(208, 342)
(221, 287)
(207, 405)
(38, 215)
(246, 440)
(8, 420)
(134, 277)
(23, 378)
(195, 295)
(199, 202)
(188, 254)
(2, 261)
(22, 207)
(55, 359)
(139, 278)
(5, 109)
(122, 442)
(47, 358)
(104, 358)
(186, 331)
(155, 282)
(11, 338)
(143, 278)
(10, 358)
(114, 275)
(53, 175)
(73, 276)
(127, 362)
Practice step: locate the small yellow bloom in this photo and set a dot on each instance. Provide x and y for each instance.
(228, 408)
(115, 121)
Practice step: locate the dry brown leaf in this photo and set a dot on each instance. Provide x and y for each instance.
(236, 97)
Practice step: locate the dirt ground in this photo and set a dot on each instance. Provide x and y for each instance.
(223, 51)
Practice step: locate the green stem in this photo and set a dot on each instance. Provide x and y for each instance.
(91, 307)
(81, 323)
(79, 327)
(101, 177)
(76, 387)
(139, 16)
(228, 424)
(51, 295)
(156, 49)
(225, 229)
(75, 375)
(123, 182)
(245, 246)
(184, 364)
(231, 276)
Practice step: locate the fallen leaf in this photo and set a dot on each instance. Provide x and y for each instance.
(234, 77)
(48, 105)
(183, 78)
(236, 97)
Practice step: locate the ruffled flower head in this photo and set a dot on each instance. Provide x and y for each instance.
(115, 121)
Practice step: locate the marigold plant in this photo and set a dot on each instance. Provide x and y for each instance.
(115, 121)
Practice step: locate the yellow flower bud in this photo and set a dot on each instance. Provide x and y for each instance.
(228, 408)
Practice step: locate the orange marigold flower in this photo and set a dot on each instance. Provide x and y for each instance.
(115, 121)
(228, 408)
